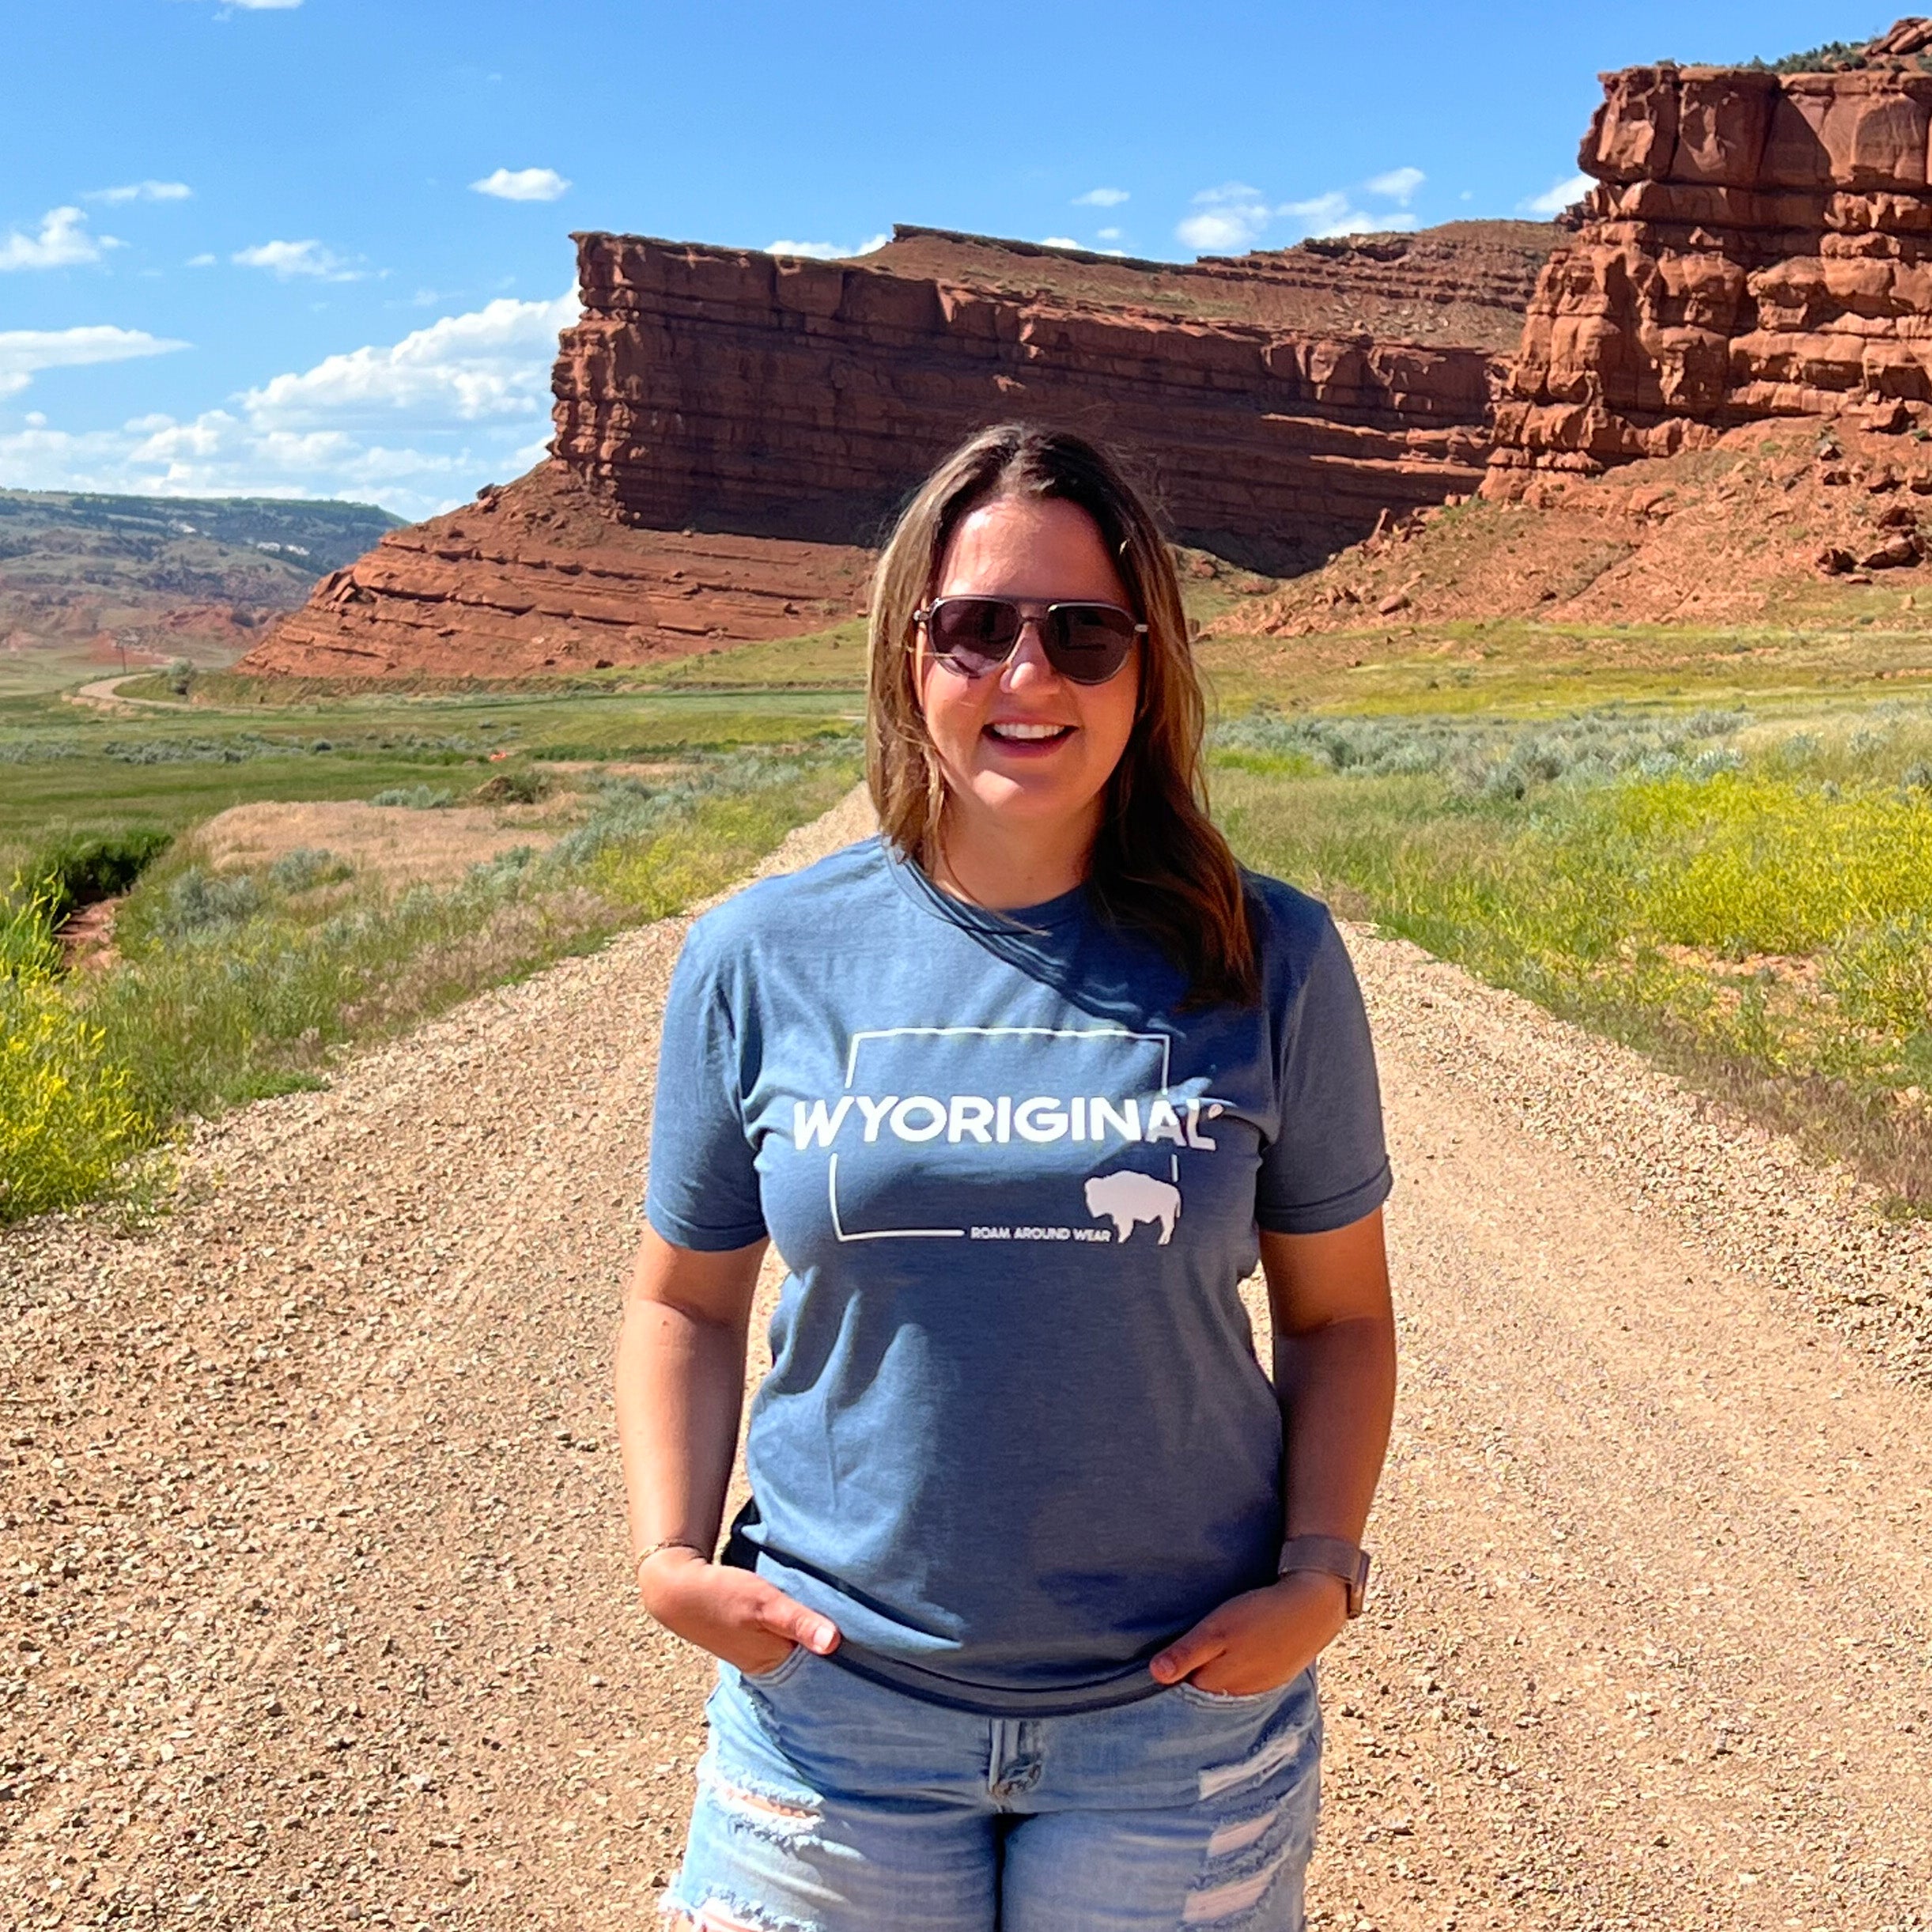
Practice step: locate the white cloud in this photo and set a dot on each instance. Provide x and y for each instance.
(522, 184)
(143, 190)
(1109, 234)
(1235, 216)
(826, 250)
(1318, 211)
(494, 361)
(416, 424)
(1325, 216)
(1399, 184)
(265, 6)
(1554, 199)
(63, 242)
(1060, 241)
(24, 353)
(1227, 219)
(286, 259)
(200, 261)
(1100, 197)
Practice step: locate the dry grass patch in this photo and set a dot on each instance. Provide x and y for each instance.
(396, 844)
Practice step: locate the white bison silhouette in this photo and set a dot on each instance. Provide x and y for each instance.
(1126, 1198)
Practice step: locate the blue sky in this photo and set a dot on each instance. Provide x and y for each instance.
(243, 249)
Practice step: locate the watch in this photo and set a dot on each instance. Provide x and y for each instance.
(1331, 1556)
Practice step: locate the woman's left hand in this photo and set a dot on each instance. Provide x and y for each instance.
(1260, 1640)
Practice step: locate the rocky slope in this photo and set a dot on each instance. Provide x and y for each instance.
(540, 576)
(1758, 245)
(1773, 522)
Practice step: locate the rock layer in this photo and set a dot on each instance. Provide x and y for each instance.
(733, 429)
(1757, 246)
(539, 576)
(730, 390)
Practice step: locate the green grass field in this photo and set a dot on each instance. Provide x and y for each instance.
(1717, 846)
(231, 983)
(67, 769)
(1749, 900)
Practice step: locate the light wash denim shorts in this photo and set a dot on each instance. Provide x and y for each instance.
(830, 1803)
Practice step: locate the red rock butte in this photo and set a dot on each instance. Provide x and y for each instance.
(1758, 245)
(783, 397)
(735, 430)
(712, 402)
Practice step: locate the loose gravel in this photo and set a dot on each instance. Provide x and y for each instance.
(318, 1613)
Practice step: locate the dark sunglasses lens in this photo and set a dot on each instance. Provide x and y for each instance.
(1090, 640)
(973, 633)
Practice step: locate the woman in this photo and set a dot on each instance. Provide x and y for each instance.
(1019, 1627)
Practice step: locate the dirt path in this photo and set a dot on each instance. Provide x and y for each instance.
(318, 1613)
(104, 693)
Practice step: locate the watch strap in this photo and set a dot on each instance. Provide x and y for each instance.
(1331, 1556)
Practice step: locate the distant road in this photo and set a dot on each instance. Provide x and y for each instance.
(317, 1605)
(105, 693)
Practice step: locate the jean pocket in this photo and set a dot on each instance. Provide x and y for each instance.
(785, 1667)
(1190, 1692)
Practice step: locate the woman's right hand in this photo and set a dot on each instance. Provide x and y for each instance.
(733, 1613)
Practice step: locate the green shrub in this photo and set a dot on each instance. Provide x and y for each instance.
(1881, 975)
(307, 866)
(1492, 758)
(1828, 57)
(1751, 863)
(199, 902)
(78, 871)
(415, 797)
(27, 948)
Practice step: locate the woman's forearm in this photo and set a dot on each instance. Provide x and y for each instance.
(680, 1379)
(1336, 1386)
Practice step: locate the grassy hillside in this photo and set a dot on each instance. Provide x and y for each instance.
(181, 542)
(82, 577)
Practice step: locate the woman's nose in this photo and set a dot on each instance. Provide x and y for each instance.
(1027, 659)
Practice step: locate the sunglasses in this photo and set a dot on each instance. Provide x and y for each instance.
(1086, 643)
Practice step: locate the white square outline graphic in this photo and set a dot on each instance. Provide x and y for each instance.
(1164, 1042)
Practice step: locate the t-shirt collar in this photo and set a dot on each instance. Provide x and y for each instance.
(1067, 909)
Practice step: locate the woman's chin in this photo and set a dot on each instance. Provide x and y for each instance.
(1029, 797)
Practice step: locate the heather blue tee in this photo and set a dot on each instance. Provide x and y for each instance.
(1015, 1438)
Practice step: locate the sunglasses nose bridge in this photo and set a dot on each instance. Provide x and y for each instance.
(1036, 621)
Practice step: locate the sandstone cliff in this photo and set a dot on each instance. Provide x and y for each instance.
(730, 390)
(1758, 246)
(733, 429)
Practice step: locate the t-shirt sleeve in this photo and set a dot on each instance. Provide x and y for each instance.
(702, 1191)
(1328, 1165)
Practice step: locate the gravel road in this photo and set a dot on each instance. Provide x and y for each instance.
(318, 1613)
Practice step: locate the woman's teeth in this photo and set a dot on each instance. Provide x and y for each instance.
(1028, 732)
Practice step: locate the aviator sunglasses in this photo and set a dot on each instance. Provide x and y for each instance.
(1086, 643)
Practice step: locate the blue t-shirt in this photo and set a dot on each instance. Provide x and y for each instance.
(1015, 1437)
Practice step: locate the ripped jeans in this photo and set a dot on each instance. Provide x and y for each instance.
(829, 1803)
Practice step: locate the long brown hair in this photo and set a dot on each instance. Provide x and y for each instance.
(1159, 864)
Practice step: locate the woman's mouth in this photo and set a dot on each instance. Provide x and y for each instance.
(1017, 732)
